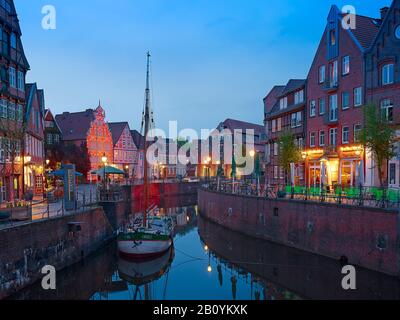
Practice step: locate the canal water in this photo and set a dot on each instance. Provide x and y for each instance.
(211, 263)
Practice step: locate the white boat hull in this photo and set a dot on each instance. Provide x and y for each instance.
(144, 248)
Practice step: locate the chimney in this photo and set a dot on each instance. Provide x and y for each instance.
(384, 12)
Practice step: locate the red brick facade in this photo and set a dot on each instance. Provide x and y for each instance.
(382, 65)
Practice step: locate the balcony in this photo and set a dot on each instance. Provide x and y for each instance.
(331, 120)
(331, 86)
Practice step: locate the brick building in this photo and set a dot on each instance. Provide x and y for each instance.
(88, 128)
(124, 148)
(284, 113)
(13, 69)
(52, 136)
(382, 66)
(34, 140)
(335, 96)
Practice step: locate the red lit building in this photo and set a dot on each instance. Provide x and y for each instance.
(34, 140)
(335, 96)
(88, 128)
(383, 84)
(284, 113)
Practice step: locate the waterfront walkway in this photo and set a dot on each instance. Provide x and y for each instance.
(87, 196)
(382, 198)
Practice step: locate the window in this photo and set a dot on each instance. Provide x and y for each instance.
(13, 40)
(56, 138)
(333, 108)
(3, 109)
(392, 174)
(275, 149)
(279, 124)
(21, 81)
(357, 132)
(12, 77)
(345, 135)
(387, 74)
(312, 139)
(332, 37)
(358, 100)
(312, 108)
(322, 106)
(11, 111)
(346, 65)
(387, 110)
(345, 100)
(273, 125)
(322, 138)
(321, 75)
(299, 97)
(397, 32)
(296, 119)
(333, 136)
(333, 73)
(276, 169)
(283, 103)
(19, 113)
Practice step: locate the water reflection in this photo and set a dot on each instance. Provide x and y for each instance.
(211, 263)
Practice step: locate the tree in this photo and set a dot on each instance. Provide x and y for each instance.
(289, 152)
(378, 136)
(72, 154)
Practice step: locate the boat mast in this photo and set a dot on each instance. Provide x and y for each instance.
(146, 131)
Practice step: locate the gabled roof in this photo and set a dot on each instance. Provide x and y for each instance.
(117, 128)
(137, 139)
(384, 21)
(233, 124)
(74, 126)
(366, 30)
(293, 85)
(31, 91)
(49, 115)
(275, 92)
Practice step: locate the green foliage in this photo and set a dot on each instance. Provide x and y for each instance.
(289, 151)
(378, 136)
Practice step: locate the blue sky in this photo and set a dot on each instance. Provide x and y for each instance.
(212, 59)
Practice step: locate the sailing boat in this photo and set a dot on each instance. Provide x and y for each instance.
(153, 236)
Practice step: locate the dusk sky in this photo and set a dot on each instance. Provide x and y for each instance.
(212, 59)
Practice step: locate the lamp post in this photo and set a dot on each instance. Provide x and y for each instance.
(104, 160)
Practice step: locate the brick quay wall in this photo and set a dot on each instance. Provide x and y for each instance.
(25, 249)
(367, 237)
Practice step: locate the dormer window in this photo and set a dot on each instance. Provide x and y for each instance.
(283, 103)
(299, 97)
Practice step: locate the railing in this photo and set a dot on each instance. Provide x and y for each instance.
(113, 194)
(48, 209)
(384, 198)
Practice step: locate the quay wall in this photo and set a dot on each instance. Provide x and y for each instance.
(60, 242)
(159, 192)
(366, 237)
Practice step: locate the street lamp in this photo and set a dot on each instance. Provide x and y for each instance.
(104, 160)
(47, 162)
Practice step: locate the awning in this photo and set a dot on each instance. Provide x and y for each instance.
(107, 171)
(61, 173)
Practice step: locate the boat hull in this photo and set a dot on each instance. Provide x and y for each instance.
(143, 249)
